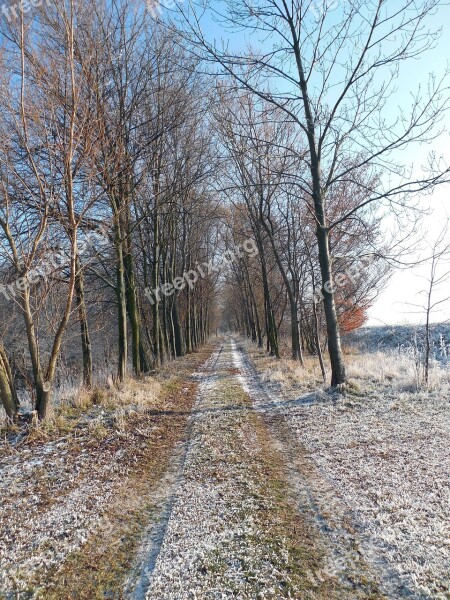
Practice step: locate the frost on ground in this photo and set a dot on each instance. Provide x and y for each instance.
(277, 494)
(52, 497)
(65, 494)
(385, 453)
(389, 464)
(207, 549)
(232, 532)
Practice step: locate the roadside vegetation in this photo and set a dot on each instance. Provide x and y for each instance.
(378, 446)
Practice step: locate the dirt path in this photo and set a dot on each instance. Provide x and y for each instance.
(240, 520)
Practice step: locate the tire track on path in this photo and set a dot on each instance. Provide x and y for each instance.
(231, 527)
(350, 558)
(139, 580)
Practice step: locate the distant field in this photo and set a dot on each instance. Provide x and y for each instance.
(403, 338)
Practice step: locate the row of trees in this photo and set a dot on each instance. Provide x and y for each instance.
(105, 163)
(133, 150)
(333, 74)
(279, 290)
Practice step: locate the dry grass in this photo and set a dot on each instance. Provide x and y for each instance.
(90, 407)
(392, 371)
(286, 371)
(397, 371)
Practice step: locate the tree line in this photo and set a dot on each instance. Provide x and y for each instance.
(105, 162)
(134, 149)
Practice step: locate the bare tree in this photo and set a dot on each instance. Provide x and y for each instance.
(437, 262)
(42, 157)
(333, 75)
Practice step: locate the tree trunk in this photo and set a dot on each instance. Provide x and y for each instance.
(295, 330)
(427, 346)
(8, 394)
(255, 309)
(84, 328)
(188, 324)
(179, 341)
(317, 340)
(121, 306)
(338, 375)
(165, 328)
(43, 398)
(155, 282)
(133, 312)
(272, 334)
(38, 377)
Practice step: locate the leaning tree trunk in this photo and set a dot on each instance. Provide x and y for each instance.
(317, 342)
(8, 394)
